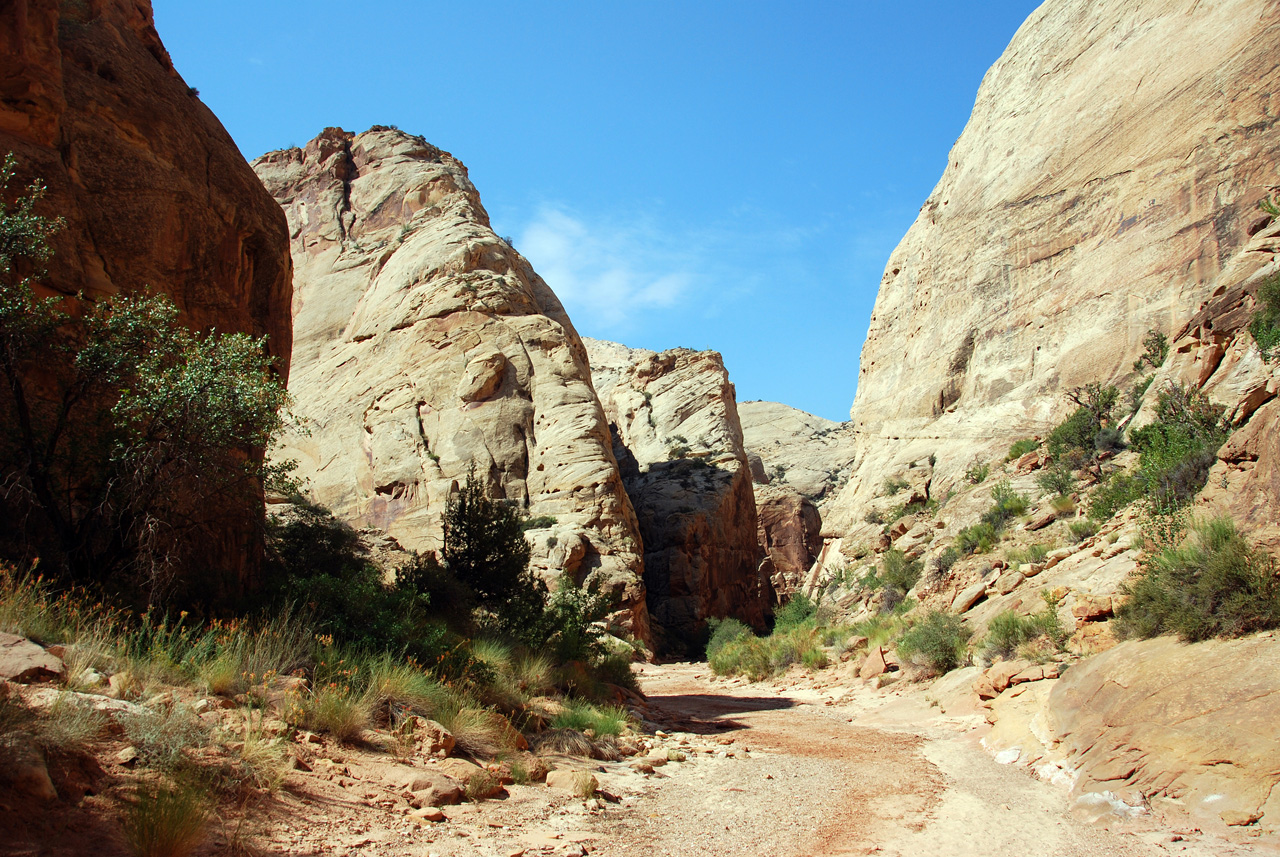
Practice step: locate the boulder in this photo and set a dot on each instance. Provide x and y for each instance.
(1091, 608)
(874, 664)
(23, 661)
(428, 786)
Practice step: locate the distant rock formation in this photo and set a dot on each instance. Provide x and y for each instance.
(809, 454)
(1105, 185)
(424, 344)
(155, 194)
(678, 441)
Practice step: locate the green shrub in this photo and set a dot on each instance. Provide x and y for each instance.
(1008, 632)
(899, 572)
(1155, 347)
(1079, 432)
(1139, 390)
(1213, 585)
(1179, 447)
(1113, 495)
(724, 631)
(938, 642)
(538, 523)
(1057, 480)
(977, 471)
(892, 486)
(1082, 529)
(1265, 325)
(1008, 504)
(797, 611)
(979, 538)
(758, 658)
(947, 559)
(1020, 448)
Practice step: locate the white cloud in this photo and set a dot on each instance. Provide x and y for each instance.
(607, 275)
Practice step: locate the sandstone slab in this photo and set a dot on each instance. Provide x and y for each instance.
(24, 661)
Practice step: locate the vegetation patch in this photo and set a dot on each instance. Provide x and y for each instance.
(1265, 325)
(1020, 448)
(1215, 584)
(938, 642)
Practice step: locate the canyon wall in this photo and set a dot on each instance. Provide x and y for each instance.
(678, 441)
(425, 345)
(1105, 185)
(154, 193)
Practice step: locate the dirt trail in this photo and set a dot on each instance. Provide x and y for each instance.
(864, 774)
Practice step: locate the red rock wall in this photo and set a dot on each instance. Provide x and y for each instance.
(154, 192)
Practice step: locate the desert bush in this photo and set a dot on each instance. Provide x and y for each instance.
(758, 658)
(725, 631)
(1265, 324)
(1114, 494)
(947, 559)
(1179, 446)
(1138, 391)
(1155, 348)
(1056, 480)
(69, 725)
(1008, 632)
(798, 610)
(1032, 553)
(938, 642)
(1082, 529)
(899, 572)
(977, 471)
(1079, 432)
(1007, 504)
(873, 517)
(538, 522)
(583, 716)
(166, 820)
(1020, 448)
(1215, 584)
(163, 737)
(332, 708)
(979, 538)
(892, 486)
(264, 759)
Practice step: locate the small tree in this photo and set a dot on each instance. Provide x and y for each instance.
(123, 435)
(485, 549)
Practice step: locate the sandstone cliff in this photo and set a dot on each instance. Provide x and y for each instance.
(423, 345)
(154, 193)
(1103, 186)
(679, 443)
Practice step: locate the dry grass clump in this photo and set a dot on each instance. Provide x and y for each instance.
(264, 759)
(479, 733)
(332, 708)
(166, 820)
(165, 735)
(480, 785)
(569, 742)
(69, 725)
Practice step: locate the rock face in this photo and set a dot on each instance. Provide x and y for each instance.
(801, 451)
(679, 444)
(424, 345)
(154, 192)
(1104, 184)
(789, 535)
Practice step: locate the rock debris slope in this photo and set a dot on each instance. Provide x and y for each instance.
(424, 344)
(1107, 176)
(155, 194)
(678, 441)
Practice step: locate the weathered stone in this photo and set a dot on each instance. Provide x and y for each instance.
(1008, 581)
(429, 786)
(968, 597)
(25, 767)
(424, 344)
(1091, 608)
(1200, 721)
(679, 445)
(800, 451)
(579, 782)
(435, 739)
(1001, 675)
(789, 534)
(873, 665)
(23, 661)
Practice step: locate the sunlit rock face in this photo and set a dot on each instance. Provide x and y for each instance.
(678, 441)
(425, 345)
(1105, 186)
(154, 194)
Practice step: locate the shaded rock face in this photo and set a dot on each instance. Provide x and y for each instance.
(679, 444)
(154, 192)
(789, 535)
(1105, 182)
(424, 345)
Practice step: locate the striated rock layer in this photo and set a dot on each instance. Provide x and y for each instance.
(425, 345)
(154, 192)
(1106, 180)
(678, 441)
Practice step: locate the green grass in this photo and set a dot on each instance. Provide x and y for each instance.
(1009, 633)
(582, 716)
(759, 658)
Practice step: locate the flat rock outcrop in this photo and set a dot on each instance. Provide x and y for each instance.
(425, 345)
(1106, 181)
(155, 194)
(1186, 729)
(679, 444)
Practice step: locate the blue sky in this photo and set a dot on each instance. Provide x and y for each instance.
(727, 175)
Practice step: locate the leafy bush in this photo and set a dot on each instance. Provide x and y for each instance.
(1155, 348)
(1114, 494)
(1082, 529)
(899, 572)
(798, 610)
(947, 559)
(1020, 448)
(977, 471)
(758, 658)
(123, 432)
(1139, 390)
(538, 523)
(892, 486)
(1265, 325)
(1057, 480)
(938, 642)
(1213, 585)
(1008, 504)
(979, 538)
(1179, 447)
(1079, 432)
(1008, 632)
